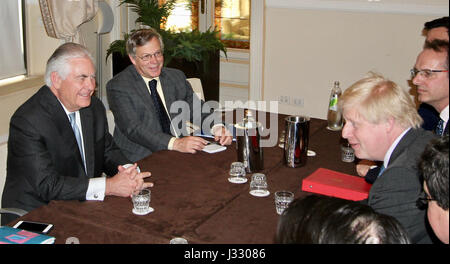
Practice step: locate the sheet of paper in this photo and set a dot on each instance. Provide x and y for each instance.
(214, 148)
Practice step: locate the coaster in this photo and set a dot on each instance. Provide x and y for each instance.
(178, 240)
(311, 153)
(260, 193)
(238, 180)
(150, 209)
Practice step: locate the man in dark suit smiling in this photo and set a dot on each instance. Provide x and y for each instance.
(142, 96)
(59, 144)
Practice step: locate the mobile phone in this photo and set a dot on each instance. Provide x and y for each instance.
(37, 227)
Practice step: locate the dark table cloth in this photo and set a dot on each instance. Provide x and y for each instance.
(193, 199)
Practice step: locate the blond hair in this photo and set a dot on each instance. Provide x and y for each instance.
(377, 99)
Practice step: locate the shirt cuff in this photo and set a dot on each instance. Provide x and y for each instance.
(96, 189)
(171, 142)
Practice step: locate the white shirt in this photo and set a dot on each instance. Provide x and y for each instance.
(97, 186)
(444, 116)
(161, 95)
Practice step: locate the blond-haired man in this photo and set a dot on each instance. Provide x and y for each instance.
(382, 124)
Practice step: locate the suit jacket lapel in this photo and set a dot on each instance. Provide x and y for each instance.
(407, 139)
(169, 95)
(56, 112)
(87, 123)
(142, 90)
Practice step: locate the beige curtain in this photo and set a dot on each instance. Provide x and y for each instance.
(63, 18)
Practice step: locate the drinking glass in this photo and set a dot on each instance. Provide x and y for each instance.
(141, 202)
(178, 240)
(237, 173)
(282, 200)
(347, 153)
(258, 185)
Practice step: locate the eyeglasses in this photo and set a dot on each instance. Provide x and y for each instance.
(147, 57)
(422, 201)
(427, 73)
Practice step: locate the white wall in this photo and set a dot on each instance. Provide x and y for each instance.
(307, 49)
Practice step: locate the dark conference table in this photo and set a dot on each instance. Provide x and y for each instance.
(193, 199)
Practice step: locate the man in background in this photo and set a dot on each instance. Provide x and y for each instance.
(435, 29)
(59, 144)
(430, 75)
(141, 98)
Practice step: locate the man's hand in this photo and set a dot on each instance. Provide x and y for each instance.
(362, 169)
(189, 144)
(222, 135)
(127, 181)
(364, 166)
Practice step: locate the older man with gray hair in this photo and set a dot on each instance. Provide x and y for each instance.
(59, 144)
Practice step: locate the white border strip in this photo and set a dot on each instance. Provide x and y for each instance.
(256, 50)
(353, 6)
(3, 139)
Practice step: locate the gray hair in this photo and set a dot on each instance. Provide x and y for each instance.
(141, 37)
(58, 62)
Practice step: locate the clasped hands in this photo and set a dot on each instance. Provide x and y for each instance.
(127, 182)
(193, 144)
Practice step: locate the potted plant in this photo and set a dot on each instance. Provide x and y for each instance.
(196, 53)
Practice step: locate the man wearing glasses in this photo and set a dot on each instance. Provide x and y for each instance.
(434, 168)
(142, 97)
(430, 75)
(435, 29)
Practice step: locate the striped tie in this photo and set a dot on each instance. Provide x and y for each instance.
(76, 131)
(440, 127)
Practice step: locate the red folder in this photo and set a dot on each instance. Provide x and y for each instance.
(336, 184)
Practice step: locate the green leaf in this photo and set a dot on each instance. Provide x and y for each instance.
(193, 46)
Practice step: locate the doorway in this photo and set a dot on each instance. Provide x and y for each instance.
(232, 19)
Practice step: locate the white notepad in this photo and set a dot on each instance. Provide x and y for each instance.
(214, 148)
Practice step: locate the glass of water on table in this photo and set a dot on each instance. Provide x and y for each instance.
(141, 202)
(282, 200)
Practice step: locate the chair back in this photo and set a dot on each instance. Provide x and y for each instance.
(197, 87)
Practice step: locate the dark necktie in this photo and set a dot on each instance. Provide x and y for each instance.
(440, 127)
(161, 111)
(77, 133)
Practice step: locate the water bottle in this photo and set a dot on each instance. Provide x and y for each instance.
(248, 143)
(334, 116)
